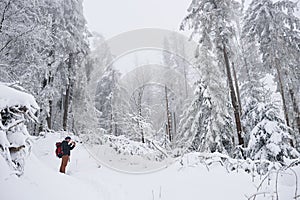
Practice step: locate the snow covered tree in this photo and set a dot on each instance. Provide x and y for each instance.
(198, 129)
(276, 29)
(105, 97)
(75, 49)
(253, 94)
(211, 23)
(85, 103)
(270, 139)
(192, 128)
(42, 46)
(252, 89)
(18, 23)
(24, 36)
(48, 94)
(99, 56)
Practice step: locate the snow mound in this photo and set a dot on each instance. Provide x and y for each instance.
(128, 147)
(121, 153)
(10, 97)
(15, 108)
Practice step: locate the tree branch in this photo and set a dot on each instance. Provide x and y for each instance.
(15, 39)
(3, 14)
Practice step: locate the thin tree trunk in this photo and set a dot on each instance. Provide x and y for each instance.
(116, 130)
(51, 58)
(112, 118)
(168, 115)
(233, 99)
(237, 89)
(111, 124)
(40, 126)
(68, 93)
(285, 110)
(6, 7)
(140, 95)
(296, 109)
(66, 108)
(174, 122)
(49, 116)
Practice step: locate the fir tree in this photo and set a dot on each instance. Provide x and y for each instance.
(211, 23)
(276, 29)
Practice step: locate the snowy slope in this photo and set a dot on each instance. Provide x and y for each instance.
(85, 179)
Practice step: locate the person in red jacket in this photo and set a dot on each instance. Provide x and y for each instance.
(67, 145)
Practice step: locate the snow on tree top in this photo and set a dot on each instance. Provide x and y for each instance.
(11, 97)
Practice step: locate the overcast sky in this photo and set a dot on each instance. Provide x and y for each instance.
(112, 17)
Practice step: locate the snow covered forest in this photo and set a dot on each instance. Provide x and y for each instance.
(221, 103)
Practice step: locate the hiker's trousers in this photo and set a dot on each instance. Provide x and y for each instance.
(64, 162)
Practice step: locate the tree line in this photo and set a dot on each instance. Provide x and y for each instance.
(44, 47)
(238, 49)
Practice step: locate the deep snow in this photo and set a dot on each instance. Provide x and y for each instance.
(86, 179)
(12, 97)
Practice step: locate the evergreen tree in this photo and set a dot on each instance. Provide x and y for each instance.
(276, 29)
(253, 90)
(211, 23)
(270, 139)
(198, 128)
(105, 98)
(85, 97)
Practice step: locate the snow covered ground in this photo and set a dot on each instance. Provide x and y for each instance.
(86, 179)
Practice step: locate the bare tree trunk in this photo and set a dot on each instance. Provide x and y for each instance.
(295, 108)
(111, 124)
(40, 126)
(66, 108)
(51, 58)
(68, 93)
(185, 81)
(237, 89)
(48, 82)
(6, 7)
(49, 116)
(285, 110)
(116, 130)
(233, 99)
(169, 121)
(140, 96)
(174, 123)
(112, 117)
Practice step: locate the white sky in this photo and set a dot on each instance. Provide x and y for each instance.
(112, 17)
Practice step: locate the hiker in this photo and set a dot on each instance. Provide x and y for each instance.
(67, 145)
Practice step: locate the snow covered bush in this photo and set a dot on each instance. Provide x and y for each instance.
(270, 139)
(15, 108)
(124, 146)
